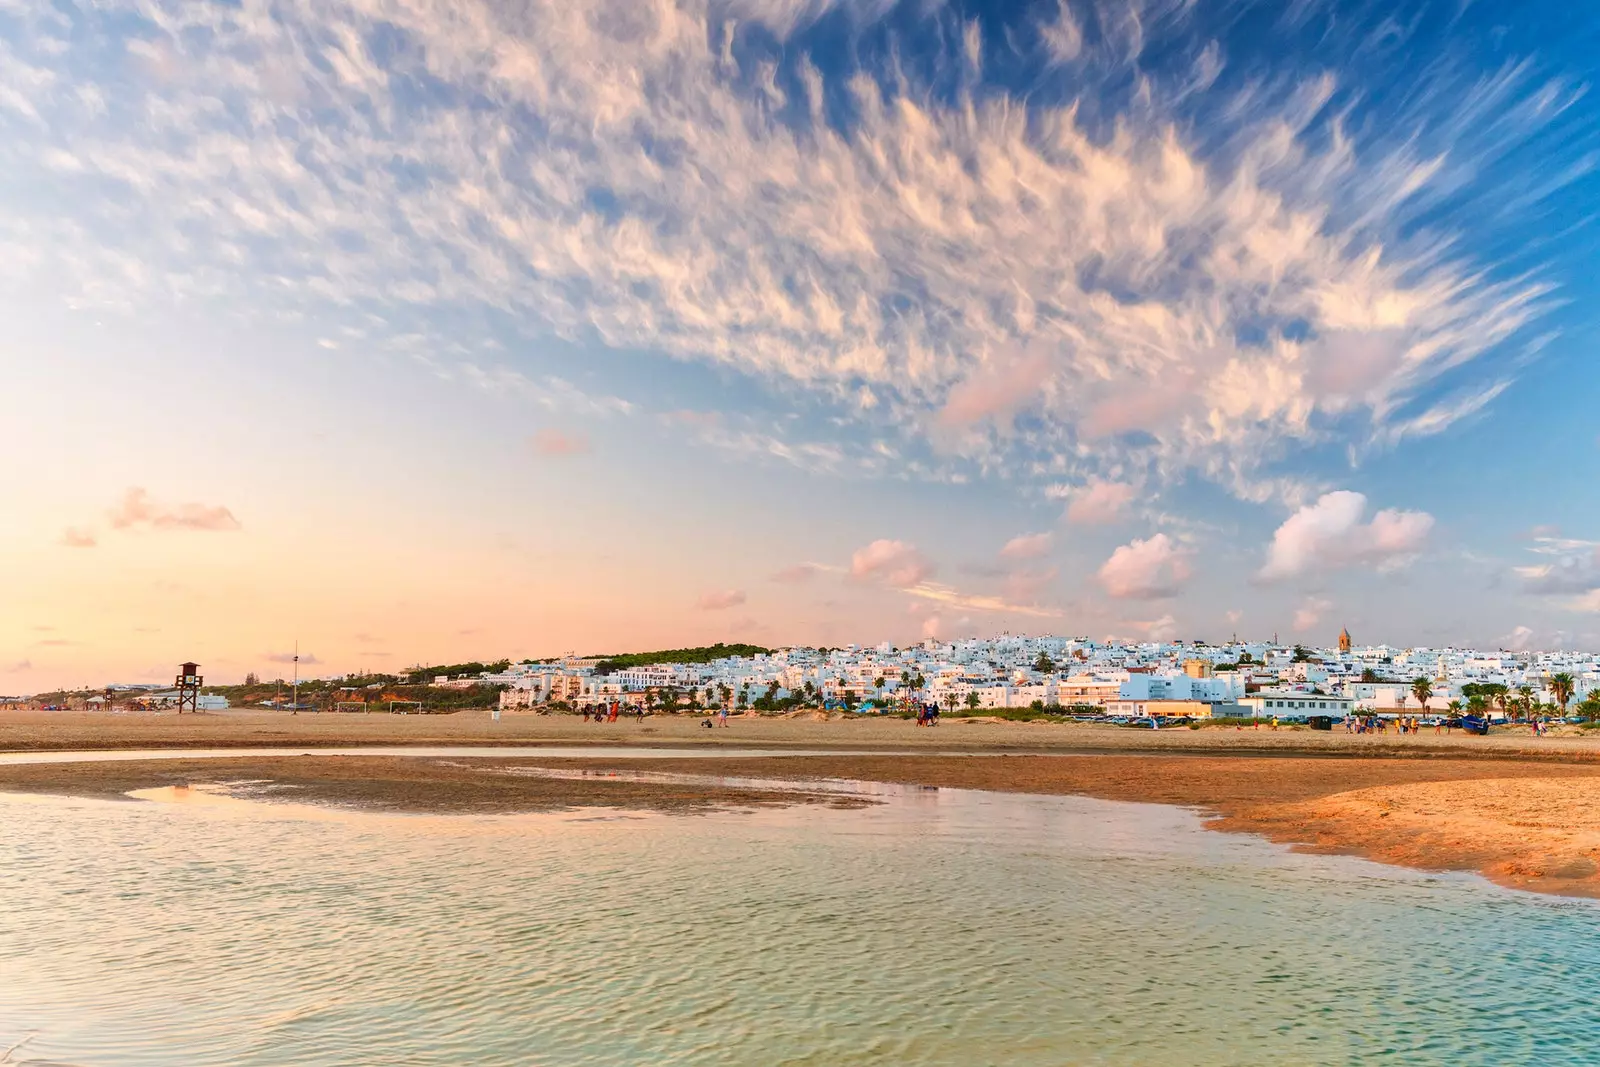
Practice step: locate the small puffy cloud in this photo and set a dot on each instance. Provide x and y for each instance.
(20, 665)
(138, 510)
(288, 657)
(896, 563)
(1162, 629)
(932, 626)
(1234, 616)
(1024, 586)
(552, 442)
(1309, 613)
(1146, 570)
(72, 537)
(1589, 601)
(1576, 570)
(1098, 502)
(1027, 546)
(1520, 639)
(1331, 533)
(720, 600)
(797, 574)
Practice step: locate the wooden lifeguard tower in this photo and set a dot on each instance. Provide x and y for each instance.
(188, 683)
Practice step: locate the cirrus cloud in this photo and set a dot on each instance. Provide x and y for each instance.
(672, 178)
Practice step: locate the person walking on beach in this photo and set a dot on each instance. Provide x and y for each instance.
(722, 716)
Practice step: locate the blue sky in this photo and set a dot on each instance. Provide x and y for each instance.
(514, 329)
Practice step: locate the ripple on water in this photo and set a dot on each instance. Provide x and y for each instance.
(937, 928)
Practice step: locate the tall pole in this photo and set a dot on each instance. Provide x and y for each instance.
(296, 709)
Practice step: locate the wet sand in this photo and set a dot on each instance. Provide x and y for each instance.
(77, 731)
(1511, 807)
(402, 783)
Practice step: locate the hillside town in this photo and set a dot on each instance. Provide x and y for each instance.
(1052, 674)
(1177, 679)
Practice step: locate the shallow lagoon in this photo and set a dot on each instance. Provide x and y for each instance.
(938, 927)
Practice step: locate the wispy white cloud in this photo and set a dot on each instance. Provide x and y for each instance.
(945, 594)
(647, 175)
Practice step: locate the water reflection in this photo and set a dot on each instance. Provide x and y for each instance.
(935, 927)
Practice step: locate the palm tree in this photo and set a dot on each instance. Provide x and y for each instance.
(950, 701)
(1525, 699)
(973, 700)
(1561, 689)
(1422, 689)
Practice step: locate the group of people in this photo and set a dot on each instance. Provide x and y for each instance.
(1377, 724)
(927, 715)
(609, 712)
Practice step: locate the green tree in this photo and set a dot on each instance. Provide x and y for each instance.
(1561, 689)
(1525, 700)
(973, 700)
(1044, 664)
(1367, 673)
(1422, 689)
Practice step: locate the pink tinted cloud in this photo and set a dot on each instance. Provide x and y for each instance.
(1098, 503)
(72, 537)
(1146, 570)
(552, 442)
(720, 600)
(1310, 613)
(137, 509)
(288, 657)
(995, 393)
(896, 563)
(1330, 533)
(1027, 546)
(1149, 406)
(1024, 586)
(797, 574)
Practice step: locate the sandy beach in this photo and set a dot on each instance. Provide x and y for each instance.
(1511, 807)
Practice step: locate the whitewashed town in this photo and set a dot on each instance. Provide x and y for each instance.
(1154, 680)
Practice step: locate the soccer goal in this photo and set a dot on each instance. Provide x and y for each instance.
(405, 707)
(350, 705)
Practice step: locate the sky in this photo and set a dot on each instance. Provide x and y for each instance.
(412, 331)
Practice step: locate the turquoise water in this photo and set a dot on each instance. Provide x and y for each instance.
(940, 927)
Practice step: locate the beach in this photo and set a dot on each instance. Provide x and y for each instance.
(1511, 807)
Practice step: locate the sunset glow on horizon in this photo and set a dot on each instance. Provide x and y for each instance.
(435, 330)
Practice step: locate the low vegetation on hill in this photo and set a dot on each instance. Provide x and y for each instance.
(702, 654)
